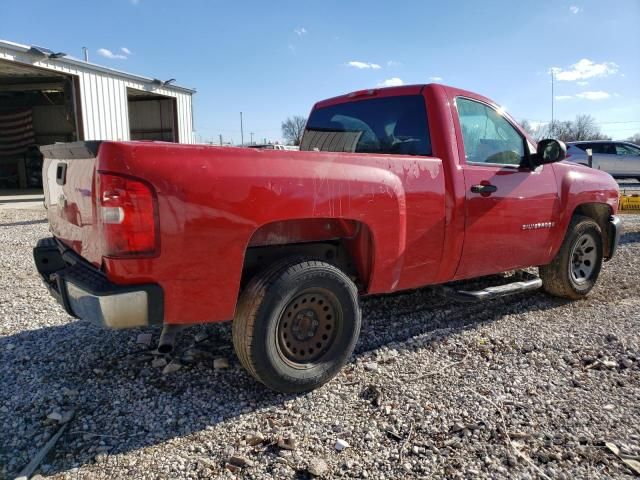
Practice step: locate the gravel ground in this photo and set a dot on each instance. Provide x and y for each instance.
(523, 387)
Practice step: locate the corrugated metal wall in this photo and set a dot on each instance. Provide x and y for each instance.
(103, 96)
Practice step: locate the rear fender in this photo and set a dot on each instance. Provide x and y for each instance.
(347, 243)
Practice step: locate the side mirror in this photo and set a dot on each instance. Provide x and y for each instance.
(549, 150)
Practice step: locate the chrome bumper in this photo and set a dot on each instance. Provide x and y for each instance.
(86, 293)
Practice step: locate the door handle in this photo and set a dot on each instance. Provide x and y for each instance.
(483, 188)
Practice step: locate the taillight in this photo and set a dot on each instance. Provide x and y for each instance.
(128, 216)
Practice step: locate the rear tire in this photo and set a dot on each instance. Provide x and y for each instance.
(575, 269)
(297, 324)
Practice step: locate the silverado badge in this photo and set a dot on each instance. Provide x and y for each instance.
(537, 226)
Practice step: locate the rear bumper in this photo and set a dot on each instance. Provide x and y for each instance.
(615, 230)
(86, 293)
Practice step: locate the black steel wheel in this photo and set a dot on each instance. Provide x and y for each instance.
(307, 327)
(296, 324)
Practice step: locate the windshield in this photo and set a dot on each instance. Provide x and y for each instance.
(395, 125)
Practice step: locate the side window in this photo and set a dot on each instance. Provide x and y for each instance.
(487, 136)
(626, 149)
(633, 149)
(622, 150)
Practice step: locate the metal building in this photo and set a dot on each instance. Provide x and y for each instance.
(48, 97)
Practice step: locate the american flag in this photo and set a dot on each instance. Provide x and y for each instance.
(16, 132)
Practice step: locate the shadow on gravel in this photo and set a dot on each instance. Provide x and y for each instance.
(23, 223)
(123, 404)
(630, 237)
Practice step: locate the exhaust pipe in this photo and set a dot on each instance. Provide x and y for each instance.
(168, 338)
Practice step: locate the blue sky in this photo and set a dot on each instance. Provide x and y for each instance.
(275, 59)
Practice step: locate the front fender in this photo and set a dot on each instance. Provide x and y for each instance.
(587, 191)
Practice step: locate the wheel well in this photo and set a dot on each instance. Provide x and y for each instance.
(600, 213)
(346, 244)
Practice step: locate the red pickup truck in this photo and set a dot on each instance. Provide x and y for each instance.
(393, 189)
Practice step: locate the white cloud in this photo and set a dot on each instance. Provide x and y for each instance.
(596, 95)
(126, 51)
(582, 84)
(584, 69)
(291, 48)
(575, 9)
(436, 79)
(391, 82)
(363, 65)
(135, 2)
(393, 63)
(300, 31)
(109, 54)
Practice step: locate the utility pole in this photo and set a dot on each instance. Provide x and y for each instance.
(241, 131)
(251, 133)
(220, 139)
(552, 102)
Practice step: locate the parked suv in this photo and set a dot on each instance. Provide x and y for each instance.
(620, 159)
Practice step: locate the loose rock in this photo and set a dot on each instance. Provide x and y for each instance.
(220, 363)
(144, 338)
(318, 467)
(240, 461)
(158, 362)
(174, 366)
(287, 443)
(341, 445)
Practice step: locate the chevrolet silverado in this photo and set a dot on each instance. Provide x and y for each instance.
(393, 189)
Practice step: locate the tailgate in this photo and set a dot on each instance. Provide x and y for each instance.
(68, 180)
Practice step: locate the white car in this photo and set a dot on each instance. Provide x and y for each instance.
(619, 159)
(271, 146)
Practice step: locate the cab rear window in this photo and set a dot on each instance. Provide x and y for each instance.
(393, 125)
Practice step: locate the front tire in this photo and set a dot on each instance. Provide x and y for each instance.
(575, 269)
(296, 325)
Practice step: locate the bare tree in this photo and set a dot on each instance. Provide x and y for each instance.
(562, 130)
(527, 127)
(584, 127)
(635, 138)
(293, 128)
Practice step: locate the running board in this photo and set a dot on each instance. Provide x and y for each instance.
(528, 284)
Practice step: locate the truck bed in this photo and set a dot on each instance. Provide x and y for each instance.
(215, 202)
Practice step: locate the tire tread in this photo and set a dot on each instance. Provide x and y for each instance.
(252, 298)
(555, 279)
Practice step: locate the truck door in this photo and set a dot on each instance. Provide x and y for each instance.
(510, 209)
